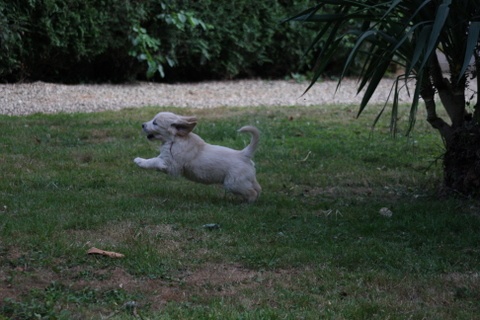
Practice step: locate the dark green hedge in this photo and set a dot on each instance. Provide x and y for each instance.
(118, 40)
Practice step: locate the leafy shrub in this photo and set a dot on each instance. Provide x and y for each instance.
(60, 40)
(247, 40)
(160, 50)
(12, 24)
(118, 40)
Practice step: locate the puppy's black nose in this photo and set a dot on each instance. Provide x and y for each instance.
(143, 125)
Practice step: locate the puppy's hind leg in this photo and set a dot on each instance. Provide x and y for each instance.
(248, 190)
(252, 196)
(256, 187)
(253, 192)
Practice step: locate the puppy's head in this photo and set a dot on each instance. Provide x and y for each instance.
(165, 126)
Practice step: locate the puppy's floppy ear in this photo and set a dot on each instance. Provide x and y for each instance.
(184, 125)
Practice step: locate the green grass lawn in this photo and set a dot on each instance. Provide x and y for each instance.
(313, 246)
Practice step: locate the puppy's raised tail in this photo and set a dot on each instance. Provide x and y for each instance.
(250, 149)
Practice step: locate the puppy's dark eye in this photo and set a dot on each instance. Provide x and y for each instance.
(154, 122)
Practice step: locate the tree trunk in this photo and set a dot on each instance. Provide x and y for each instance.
(462, 136)
(461, 161)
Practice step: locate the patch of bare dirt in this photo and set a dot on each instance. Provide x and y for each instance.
(202, 282)
(110, 236)
(207, 281)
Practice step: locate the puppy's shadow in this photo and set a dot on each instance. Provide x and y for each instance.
(202, 195)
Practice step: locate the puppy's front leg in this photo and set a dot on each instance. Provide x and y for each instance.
(153, 163)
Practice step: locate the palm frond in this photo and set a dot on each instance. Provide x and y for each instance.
(472, 42)
(395, 31)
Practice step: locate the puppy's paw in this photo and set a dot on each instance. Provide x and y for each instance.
(139, 161)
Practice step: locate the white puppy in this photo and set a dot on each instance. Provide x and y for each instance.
(185, 153)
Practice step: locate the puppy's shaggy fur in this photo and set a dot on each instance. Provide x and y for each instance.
(185, 153)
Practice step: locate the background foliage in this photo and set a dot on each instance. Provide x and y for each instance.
(117, 40)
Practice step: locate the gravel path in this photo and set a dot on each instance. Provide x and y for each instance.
(23, 99)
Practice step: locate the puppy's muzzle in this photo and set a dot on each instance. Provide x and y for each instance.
(150, 136)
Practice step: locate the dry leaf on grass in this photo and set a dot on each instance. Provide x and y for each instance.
(110, 254)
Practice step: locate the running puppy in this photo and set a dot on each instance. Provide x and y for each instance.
(185, 153)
